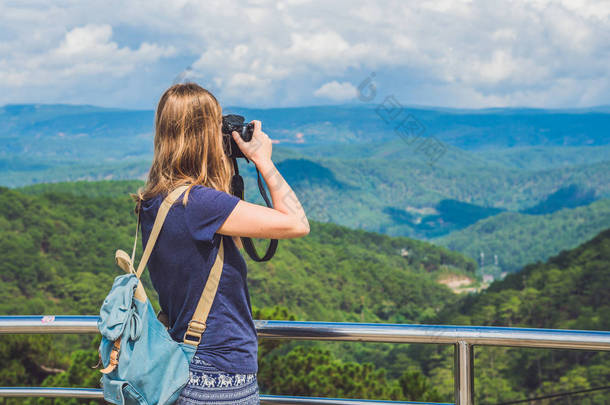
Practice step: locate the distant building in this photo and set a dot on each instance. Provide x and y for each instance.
(488, 278)
(404, 252)
(503, 274)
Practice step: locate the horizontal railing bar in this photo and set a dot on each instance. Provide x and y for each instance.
(51, 392)
(15, 324)
(56, 392)
(347, 331)
(288, 400)
(436, 334)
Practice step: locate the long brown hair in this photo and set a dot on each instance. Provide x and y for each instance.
(188, 146)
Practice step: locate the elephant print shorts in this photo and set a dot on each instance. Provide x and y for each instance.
(209, 385)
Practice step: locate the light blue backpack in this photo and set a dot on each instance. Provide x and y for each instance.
(143, 364)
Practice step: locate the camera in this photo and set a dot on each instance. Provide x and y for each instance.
(230, 123)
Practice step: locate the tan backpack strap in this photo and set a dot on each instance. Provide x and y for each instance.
(135, 240)
(197, 325)
(161, 214)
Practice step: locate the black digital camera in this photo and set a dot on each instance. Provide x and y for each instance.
(230, 123)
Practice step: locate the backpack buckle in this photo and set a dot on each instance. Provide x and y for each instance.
(195, 330)
(114, 357)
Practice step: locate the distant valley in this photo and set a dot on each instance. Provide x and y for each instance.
(350, 167)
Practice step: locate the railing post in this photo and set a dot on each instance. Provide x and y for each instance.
(463, 371)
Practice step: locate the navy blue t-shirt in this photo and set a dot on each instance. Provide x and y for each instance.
(179, 267)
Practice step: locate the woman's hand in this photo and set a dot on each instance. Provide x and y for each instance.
(259, 148)
(287, 219)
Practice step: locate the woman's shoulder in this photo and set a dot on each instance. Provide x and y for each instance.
(146, 203)
(197, 193)
(200, 188)
(205, 193)
(157, 198)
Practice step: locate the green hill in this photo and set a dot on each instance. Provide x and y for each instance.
(391, 205)
(60, 258)
(392, 197)
(395, 196)
(466, 129)
(518, 239)
(546, 157)
(571, 196)
(351, 168)
(58, 244)
(569, 291)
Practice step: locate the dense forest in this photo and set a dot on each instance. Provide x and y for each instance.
(60, 259)
(563, 220)
(59, 242)
(65, 228)
(387, 185)
(518, 238)
(503, 182)
(569, 291)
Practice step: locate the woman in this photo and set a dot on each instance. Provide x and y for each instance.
(188, 149)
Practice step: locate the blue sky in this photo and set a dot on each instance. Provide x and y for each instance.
(454, 53)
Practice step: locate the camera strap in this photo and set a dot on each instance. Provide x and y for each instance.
(237, 188)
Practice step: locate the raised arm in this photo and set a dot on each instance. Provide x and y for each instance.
(287, 219)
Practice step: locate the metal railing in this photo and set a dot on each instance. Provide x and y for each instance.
(463, 338)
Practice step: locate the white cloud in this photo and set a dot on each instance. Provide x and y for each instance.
(83, 53)
(449, 52)
(86, 40)
(336, 91)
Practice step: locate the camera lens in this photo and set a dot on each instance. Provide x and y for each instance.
(248, 132)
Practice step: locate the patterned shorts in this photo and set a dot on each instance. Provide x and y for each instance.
(209, 385)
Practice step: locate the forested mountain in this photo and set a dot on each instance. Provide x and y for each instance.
(59, 244)
(569, 291)
(546, 157)
(349, 124)
(349, 166)
(58, 142)
(68, 237)
(518, 239)
(59, 259)
(407, 197)
(521, 184)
